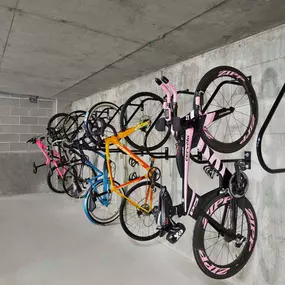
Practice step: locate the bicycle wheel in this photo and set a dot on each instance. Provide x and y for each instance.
(73, 125)
(55, 181)
(55, 127)
(107, 111)
(137, 109)
(225, 87)
(76, 180)
(217, 256)
(137, 224)
(102, 209)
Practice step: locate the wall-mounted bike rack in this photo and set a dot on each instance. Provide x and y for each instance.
(262, 131)
(246, 159)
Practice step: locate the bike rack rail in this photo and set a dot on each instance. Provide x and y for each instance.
(262, 131)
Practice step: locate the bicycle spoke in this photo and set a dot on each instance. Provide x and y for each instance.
(214, 99)
(236, 124)
(217, 127)
(214, 244)
(239, 100)
(219, 253)
(229, 128)
(224, 98)
(240, 122)
(210, 238)
(242, 113)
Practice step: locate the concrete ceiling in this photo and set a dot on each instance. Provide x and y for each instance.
(69, 49)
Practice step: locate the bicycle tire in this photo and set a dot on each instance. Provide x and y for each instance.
(57, 134)
(78, 183)
(204, 261)
(244, 136)
(51, 185)
(73, 118)
(88, 205)
(112, 121)
(124, 221)
(124, 125)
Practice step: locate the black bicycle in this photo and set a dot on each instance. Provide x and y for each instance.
(225, 232)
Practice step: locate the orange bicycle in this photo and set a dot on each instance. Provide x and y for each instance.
(100, 199)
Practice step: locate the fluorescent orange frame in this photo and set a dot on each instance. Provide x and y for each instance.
(115, 141)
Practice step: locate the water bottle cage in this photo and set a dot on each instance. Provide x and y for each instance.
(132, 162)
(210, 171)
(133, 176)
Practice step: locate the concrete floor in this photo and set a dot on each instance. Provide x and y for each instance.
(46, 239)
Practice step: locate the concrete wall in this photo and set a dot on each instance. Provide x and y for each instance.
(263, 57)
(20, 120)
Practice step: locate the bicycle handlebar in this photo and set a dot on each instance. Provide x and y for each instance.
(186, 91)
(34, 139)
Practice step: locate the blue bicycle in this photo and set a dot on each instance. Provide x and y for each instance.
(101, 206)
(85, 180)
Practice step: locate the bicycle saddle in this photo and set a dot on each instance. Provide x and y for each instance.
(34, 139)
(161, 124)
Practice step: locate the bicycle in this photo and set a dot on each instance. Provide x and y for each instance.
(55, 160)
(221, 88)
(143, 206)
(222, 214)
(99, 179)
(103, 196)
(80, 170)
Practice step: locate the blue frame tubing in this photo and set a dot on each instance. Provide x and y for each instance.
(94, 181)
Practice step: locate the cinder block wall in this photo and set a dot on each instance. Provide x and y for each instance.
(20, 120)
(263, 57)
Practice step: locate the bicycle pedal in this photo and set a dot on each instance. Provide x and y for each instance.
(35, 169)
(175, 233)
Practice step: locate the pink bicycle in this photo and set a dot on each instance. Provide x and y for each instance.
(57, 163)
(225, 231)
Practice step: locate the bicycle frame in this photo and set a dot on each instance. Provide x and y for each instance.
(193, 204)
(55, 159)
(94, 181)
(190, 197)
(86, 161)
(114, 140)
